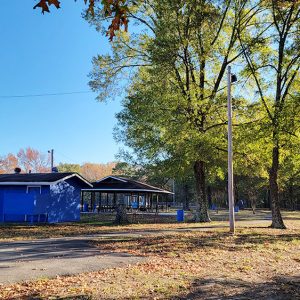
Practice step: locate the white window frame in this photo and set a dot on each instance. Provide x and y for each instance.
(33, 186)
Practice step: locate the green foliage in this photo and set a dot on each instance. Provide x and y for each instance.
(126, 169)
(65, 167)
(174, 70)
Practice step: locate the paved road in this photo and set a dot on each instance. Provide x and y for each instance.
(29, 260)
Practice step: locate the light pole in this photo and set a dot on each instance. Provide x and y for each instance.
(230, 79)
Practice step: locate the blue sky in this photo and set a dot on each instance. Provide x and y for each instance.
(52, 53)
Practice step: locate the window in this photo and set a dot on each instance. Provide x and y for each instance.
(34, 189)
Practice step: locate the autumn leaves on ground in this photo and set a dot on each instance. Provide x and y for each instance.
(256, 263)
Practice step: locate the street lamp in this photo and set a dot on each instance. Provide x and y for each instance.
(230, 79)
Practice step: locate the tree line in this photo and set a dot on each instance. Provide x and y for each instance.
(35, 161)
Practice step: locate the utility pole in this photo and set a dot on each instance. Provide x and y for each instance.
(230, 78)
(51, 158)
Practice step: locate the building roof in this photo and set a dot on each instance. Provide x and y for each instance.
(121, 184)
(38, 178)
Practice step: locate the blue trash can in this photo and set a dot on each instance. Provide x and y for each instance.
(180, 215)
(236, 209)
(85, 207)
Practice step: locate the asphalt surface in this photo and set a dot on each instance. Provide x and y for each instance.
(29, 260)
(47, 258)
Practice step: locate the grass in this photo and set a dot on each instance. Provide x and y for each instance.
(103, 223)
(256, 263)
(89, 224)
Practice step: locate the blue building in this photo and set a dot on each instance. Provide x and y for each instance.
(41, 197)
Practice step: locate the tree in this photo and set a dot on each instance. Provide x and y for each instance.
(274, 64)
(127, 169)
(28, 159)
(183, 53)
(33, 160)
(116, 10)
(288, 174)
(65, 167)
(94, 172)
(90, 171)
(8, 163)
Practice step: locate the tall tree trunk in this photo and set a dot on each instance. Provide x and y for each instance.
(121, 213)
(202, 205)
(277, 221)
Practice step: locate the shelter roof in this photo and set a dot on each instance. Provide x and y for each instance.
(122, 184)
(39, 178)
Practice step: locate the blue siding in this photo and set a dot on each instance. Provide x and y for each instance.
(15, 203)
(60, 201)
(22, 204)
(1, 206)
(62, 204)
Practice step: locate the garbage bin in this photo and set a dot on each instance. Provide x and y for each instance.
(236, 209)
(135, 205)
(85, 207)
(180, 215)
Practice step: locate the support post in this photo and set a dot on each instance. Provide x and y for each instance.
(166, 199)
(230, 165)
(173, 188)
(114, 201)
(81, 201)
(100, 202)
(107, 201)
(93, 201)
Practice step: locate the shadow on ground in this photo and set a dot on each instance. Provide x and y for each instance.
(38, 250)
(278, 288)
(164, 243)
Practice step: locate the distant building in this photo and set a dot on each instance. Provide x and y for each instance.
(41, 197)
(109, 191)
